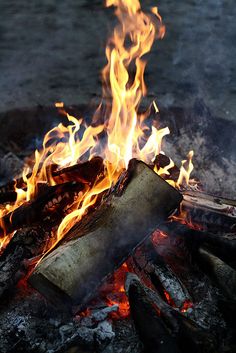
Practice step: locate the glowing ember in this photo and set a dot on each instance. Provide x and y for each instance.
(187, 305)
(115, 293)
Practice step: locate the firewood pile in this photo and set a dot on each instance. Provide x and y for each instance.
(147, 261)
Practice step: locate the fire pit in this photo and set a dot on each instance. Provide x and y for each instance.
(107, 245)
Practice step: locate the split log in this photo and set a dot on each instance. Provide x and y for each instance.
(85, 173)
(103, 241)
(213, 213)
(162, 328)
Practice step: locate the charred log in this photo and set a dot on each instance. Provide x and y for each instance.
(213, 213)
(26, 244)
(222, 274)
(148, 264)
(52, 202)
(106, 238)
(178, 332)
(84, 173)
(153, 332)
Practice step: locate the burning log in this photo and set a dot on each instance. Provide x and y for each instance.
(84, 173)
(152, 330)
(213, 212)
(162, 328)
(104, 240)
(146, 262)
(26, 244)
(54, 199)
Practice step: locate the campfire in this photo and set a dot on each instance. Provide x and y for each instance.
(104, 239)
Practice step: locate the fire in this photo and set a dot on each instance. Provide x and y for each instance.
(126, 132)
(116, 294)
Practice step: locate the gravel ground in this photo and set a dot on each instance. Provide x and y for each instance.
(54, 50)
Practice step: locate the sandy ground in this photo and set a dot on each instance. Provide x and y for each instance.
(54, 50)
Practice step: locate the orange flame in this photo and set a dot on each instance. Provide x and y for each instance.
(127, 135)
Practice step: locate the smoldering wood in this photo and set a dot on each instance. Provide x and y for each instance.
(26, 244)
(223, 246)
(152, 330)
(214, 213)
(220, 244)
(148, 264)
(102, 242)
(50, 203)
(85, 173)
(186, 335)
(223, 275)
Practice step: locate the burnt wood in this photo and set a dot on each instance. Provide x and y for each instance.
(103, 241)
(26, 244)
(147, 263)
(153, 332)
(212, 213)
(162, 328)
(84, 173)
(223, 275)
(46, 205)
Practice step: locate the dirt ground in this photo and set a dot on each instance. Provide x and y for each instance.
(54, 50)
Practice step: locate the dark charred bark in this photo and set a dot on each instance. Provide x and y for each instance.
(151, 268)
(50, 205)
(222, 274)
(103, 240)
(158, 322)
(153, 332)
(84, 173)
(27, 243)
(212, 213)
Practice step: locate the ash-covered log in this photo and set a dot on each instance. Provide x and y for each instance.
(151, 267)
(162, 328)
(103, 241)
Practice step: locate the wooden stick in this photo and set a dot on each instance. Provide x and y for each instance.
(101, 243)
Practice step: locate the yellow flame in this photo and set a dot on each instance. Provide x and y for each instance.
(127, 134)
(185, 170)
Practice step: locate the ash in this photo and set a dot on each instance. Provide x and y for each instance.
(30, 324)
